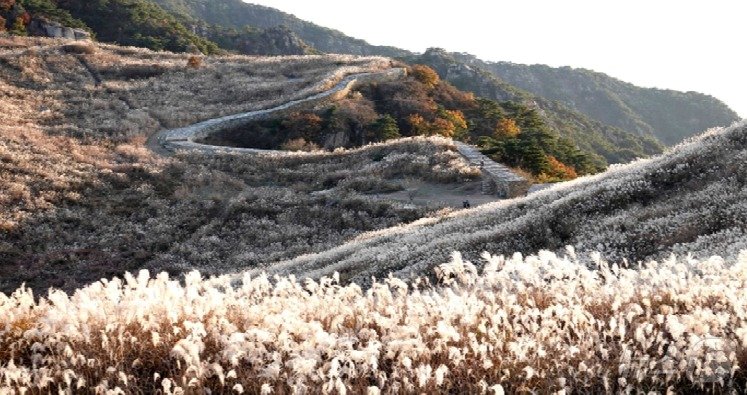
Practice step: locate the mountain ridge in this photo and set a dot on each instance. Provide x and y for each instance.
(613, 144)
(237, 14)
(599, 121)
(669, 115)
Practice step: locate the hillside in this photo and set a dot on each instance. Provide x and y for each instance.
(611, 143)
(616, 120)
(421, 104)
(237, 14)
(143, 23)
(670, 116)
(309, 281)
(80, 191)
(687, 201)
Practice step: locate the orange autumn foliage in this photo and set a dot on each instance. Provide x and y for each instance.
(506, 128)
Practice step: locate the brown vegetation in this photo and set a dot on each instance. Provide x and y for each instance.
(82, 198)
(80, 48)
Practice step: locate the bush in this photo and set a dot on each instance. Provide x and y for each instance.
(425, 75)
(299, 144)
(6, 5)
(141, 71)
(18, 28)
(194, 62)
(79, 48)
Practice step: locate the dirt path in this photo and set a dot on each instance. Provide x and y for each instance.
(433, 195)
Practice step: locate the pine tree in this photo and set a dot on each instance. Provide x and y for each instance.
(533, 158)
(385, 128)
(18, 28)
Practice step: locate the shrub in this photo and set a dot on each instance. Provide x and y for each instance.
(299, 144)
(194, 62)
(79, 48)
(506, 128)
(140, 71)
(385, 128)
(18, 28)
(425, 75)
(6, 5)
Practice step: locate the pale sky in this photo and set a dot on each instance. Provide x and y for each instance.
(683, 45)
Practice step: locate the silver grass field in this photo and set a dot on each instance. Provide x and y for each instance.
(248, 278)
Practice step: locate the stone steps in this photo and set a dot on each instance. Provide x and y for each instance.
(497, 178)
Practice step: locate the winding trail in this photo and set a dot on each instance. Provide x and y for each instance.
(497, 179)
(166, 142)
(501, 180)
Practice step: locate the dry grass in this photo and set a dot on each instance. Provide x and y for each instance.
(83, 199)
(691, 200)
(542, 324)
(49, 88)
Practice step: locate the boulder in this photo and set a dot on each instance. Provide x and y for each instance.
(336, 140)
(40, 26)
(81, 34)
(68, 33)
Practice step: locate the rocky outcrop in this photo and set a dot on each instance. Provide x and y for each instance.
(279, 41)
(254, 41)
(40, 26)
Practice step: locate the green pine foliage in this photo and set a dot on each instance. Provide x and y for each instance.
(385, 128)
(18, 28)
(50, 10)
(138, 23)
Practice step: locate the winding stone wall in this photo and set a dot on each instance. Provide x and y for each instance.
(187, 137)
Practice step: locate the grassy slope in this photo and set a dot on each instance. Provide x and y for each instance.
(689, 200)
(83, 199)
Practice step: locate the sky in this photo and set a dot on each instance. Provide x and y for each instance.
(683, 45)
